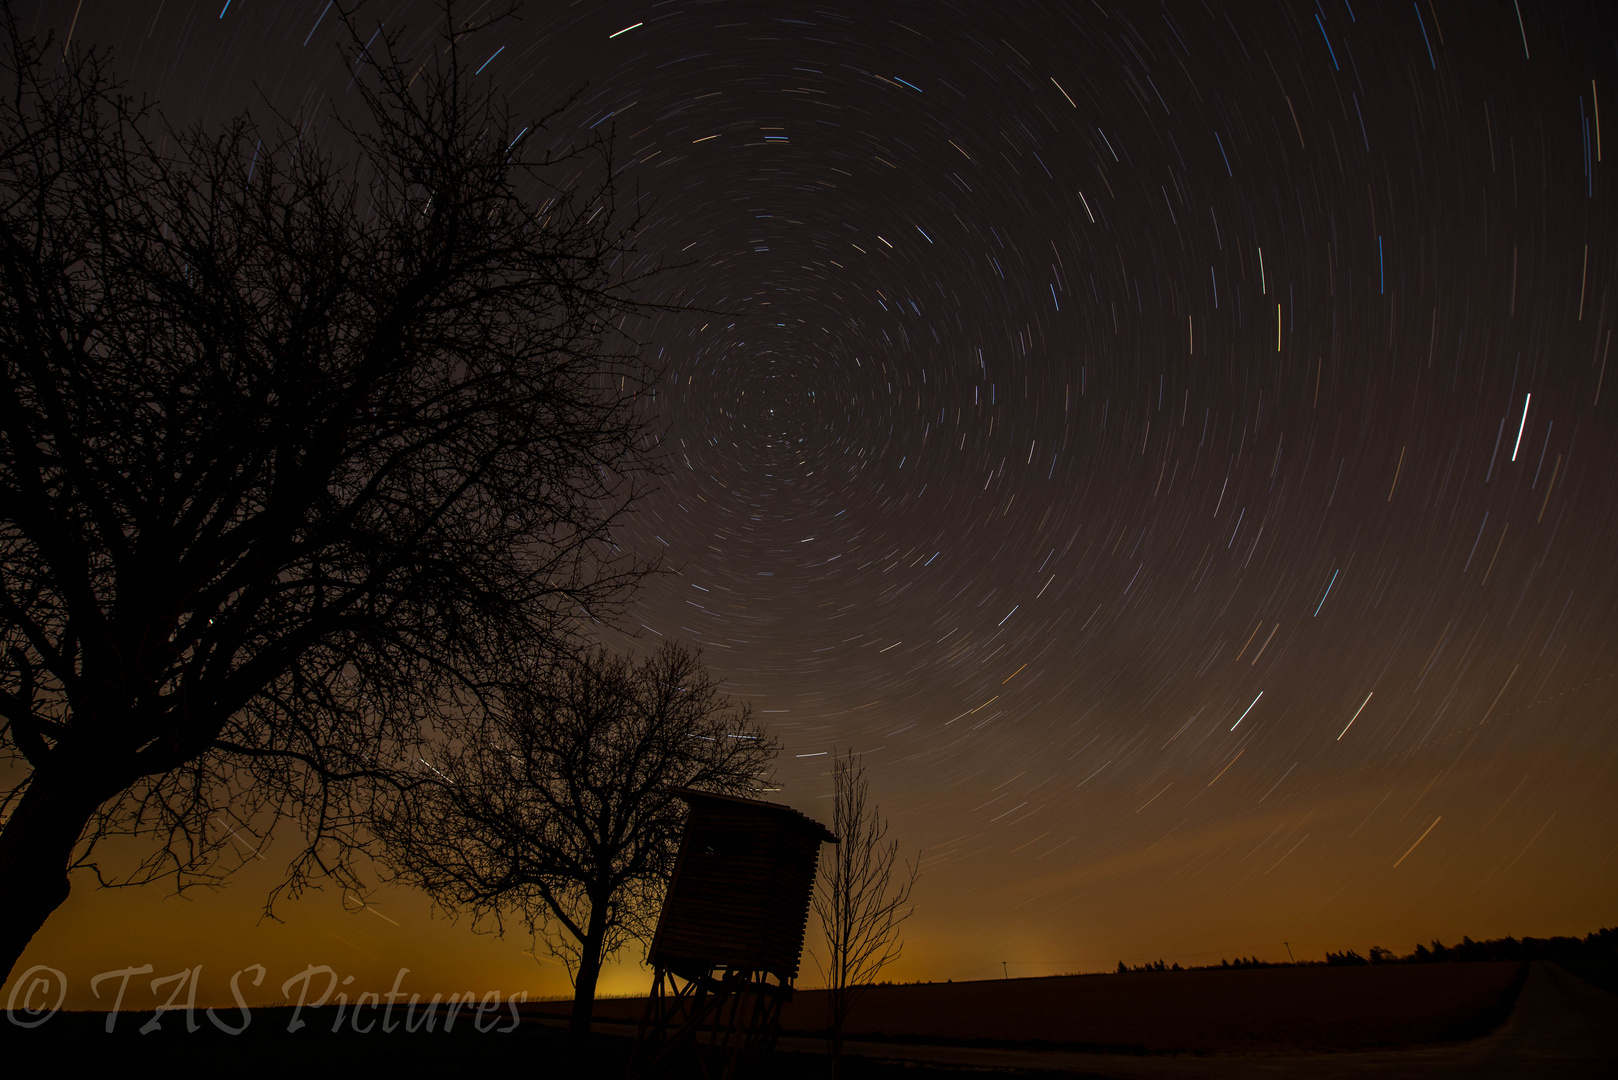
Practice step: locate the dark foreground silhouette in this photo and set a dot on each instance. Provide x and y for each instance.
(1313, 1010)
(1561, 1028)
(1550, 1023)
(535, 1049)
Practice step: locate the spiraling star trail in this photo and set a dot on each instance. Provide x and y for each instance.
(1060, 381)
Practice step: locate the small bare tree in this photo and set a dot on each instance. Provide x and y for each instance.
(861, 898)
(555, 809)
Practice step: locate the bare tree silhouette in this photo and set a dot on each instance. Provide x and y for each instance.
(862, 897)
(557, 810)
(293, 446)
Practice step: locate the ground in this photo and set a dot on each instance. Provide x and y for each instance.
(1535, 1020)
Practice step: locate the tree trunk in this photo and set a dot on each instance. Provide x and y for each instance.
(834, 1040)
(584, 991)
(584, 986)
(36, 845)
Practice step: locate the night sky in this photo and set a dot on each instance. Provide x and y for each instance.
(1170, 441)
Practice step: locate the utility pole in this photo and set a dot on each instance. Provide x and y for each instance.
(1289, 951)
(1004, 970)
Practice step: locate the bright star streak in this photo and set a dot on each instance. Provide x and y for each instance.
(1322, 603)
(1526, 399)
(1249, 709)
(1355, 717)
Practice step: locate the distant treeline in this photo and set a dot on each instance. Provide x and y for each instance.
(1123, 968)
(1601, 945)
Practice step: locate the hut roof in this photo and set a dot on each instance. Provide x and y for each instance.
(796, 817)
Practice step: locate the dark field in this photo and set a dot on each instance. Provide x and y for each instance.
(77, 1043)
(1201, 1014)
(1307, 1009)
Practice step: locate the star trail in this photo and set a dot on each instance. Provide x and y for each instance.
(1168, 440)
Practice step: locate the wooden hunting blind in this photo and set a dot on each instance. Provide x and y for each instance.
(741, 888)
(731, 932)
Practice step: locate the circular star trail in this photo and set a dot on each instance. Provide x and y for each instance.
(1171, 442)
